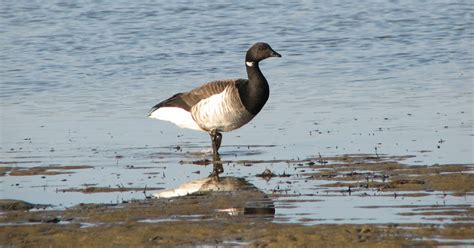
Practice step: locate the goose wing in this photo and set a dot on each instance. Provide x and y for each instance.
(186, 100)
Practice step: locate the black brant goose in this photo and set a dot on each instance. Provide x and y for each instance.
(223, 105)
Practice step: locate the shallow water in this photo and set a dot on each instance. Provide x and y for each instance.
(78, 79)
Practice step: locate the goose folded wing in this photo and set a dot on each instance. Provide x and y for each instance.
(186, 100)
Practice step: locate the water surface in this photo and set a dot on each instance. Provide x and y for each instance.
(77, 80)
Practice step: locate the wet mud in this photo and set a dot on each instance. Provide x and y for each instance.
(41, 170)
(231, 211)
(91, 190)
(183, 223)
(393, 176)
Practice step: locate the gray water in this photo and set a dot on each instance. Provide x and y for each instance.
(78, 78)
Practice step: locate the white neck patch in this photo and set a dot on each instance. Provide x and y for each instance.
(249, 63)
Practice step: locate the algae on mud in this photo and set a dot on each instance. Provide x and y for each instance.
(391, 176)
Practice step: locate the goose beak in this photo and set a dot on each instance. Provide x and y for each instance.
(275, 54)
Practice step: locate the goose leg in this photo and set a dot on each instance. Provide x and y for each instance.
(218, 142)
(216, 139)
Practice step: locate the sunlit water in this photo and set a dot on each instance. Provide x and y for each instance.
(77, 80)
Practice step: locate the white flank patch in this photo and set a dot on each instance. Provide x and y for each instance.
(211, 112)
(178, 116)
(221, 111)
(249, 63)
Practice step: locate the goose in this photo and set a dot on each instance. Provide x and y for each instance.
(222, 105)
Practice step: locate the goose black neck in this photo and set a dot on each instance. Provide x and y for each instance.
(256, 92)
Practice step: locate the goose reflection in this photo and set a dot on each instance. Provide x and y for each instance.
(232, 196)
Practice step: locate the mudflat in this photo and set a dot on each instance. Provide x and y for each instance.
(229, 211)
